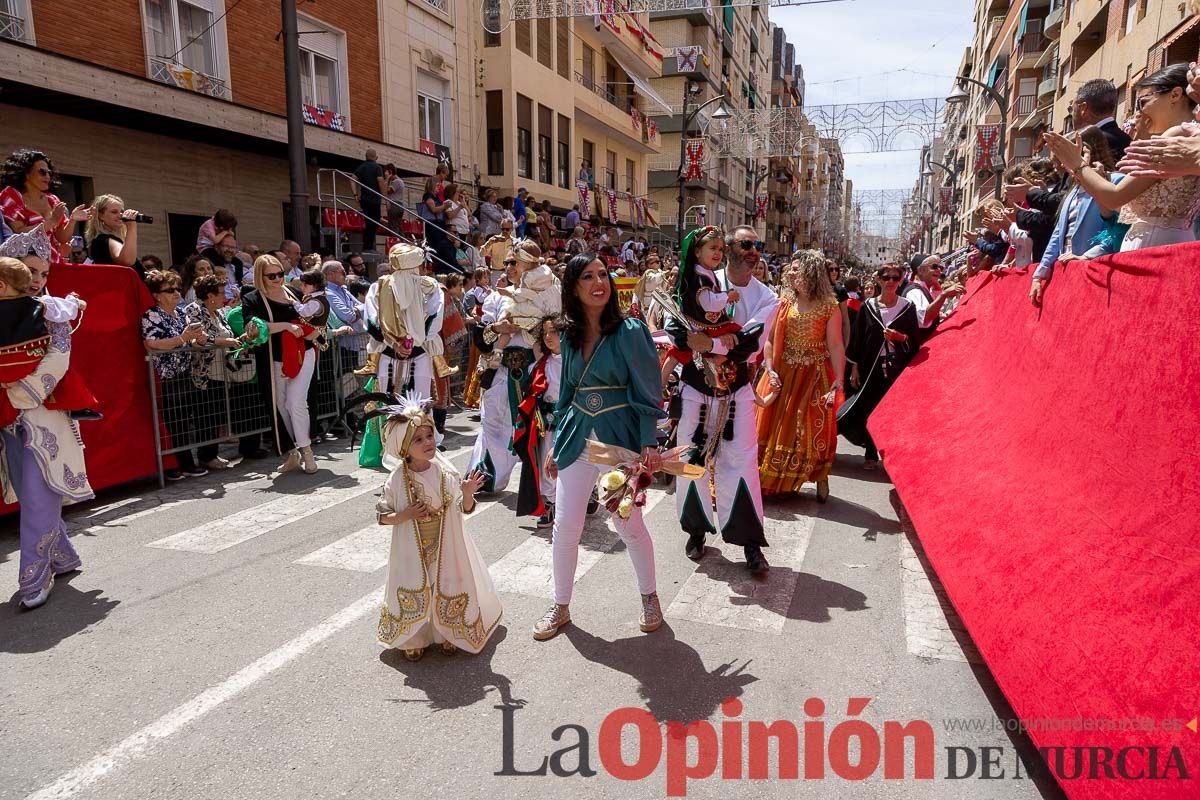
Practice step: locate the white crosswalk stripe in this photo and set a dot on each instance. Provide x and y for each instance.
(221, 534)
(723, 592)
(528, 568)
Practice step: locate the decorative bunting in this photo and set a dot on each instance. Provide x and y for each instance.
(760, 206)
(652, 130)
(612, 205)
(584, 190)
(987, 137)
(636, 117)
(686, 58)
(695, 155)
(323, 117)
(639, 210)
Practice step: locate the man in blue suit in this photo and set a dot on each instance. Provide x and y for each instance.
(1079, 222)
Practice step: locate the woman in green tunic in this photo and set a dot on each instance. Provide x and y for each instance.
(610, 392)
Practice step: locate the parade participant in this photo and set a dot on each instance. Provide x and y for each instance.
(287, 393)
(718, 412)
(643, 306)
(404, 317)
(507, 352)
(26, 201)
(610, 392)
(926, 293)
(313, 307)
(438, 588)
(881, 345)
(42, 467)
(533, 434)
(803, 361)
(538, 295)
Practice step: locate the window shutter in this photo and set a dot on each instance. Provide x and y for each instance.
(524, 34)
(564, 48)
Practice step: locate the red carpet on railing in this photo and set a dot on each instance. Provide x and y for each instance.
(1048, 461)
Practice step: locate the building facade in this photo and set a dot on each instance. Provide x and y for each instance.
(182, 110)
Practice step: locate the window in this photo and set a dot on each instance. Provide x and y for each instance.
(563, 46)
(174, 24)
(545, 42)
(545, 145)
(1022, 147)
(322, 70)
(630, 186)
(432, 108)
(491, 22)
(610, 172)
(524, 137)
(564, 152)
(15, 21)
(495, 132)
(589, 66)
(524, 29)
(589, 156)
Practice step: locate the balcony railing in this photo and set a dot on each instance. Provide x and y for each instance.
(1026, 104)
(440, 5)
(598, 89)
(175, 74)
(13, 27)
(1032, 44)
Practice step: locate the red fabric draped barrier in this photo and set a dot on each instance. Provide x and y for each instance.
(1048, 461)
(107, 351)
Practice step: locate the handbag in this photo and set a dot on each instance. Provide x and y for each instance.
(229, 368)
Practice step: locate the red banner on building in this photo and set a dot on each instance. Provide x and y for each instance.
(695, 156)
(945, 196)
(583, 188)
(652, 130)
(427, 147)
(987, 137)
(760, 206)
(612, 205)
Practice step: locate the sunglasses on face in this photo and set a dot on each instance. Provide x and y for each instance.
(889, 278)
(170, 291)
(272, 276)
(510, 263)
(1146, 98)
(748, 245)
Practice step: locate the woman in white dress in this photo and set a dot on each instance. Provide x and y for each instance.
(438, 587)
(1159, 212)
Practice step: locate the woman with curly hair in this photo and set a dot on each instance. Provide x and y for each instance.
(26, 201)
(803, 362)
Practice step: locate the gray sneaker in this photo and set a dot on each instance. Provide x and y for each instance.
(652, 616)
(548, 626)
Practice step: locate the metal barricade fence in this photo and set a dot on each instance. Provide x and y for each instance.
(203, 398)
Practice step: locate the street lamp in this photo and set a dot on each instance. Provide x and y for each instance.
(959, 95)
(953, 173)
(720, 114)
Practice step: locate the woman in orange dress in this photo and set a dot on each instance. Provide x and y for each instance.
(803, 361)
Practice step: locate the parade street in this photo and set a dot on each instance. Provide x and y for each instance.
(220, 642)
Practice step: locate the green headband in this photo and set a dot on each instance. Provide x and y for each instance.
(685, 250)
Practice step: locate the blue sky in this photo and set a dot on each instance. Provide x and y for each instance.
(857, 51)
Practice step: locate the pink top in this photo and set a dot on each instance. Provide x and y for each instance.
(12, 204)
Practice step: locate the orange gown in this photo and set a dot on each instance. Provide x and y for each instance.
(797, 434)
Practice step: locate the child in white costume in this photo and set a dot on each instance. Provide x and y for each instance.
(438, 588)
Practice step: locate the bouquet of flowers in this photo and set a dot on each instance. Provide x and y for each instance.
(624, 488)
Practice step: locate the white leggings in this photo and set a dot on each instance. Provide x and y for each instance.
(291, 398)
(570, 512)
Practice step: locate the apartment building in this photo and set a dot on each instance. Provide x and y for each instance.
(718, 55)
(785, 170)
(567, 101)
(179, 107)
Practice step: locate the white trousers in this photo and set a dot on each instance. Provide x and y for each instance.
(570, 512)
(549, 485)
(495, 433)
(421, 369)
(735, 466)
(291, 398)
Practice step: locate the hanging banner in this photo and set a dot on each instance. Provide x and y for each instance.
(635, 117)
(687, 58)
(945, 195)
(652, 130)
(987, 137)
(695, 155)
(612, 205)
(639, 211)
(323, 117)
(583, 188)
(760, 206)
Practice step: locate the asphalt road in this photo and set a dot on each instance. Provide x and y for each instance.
(219, 643)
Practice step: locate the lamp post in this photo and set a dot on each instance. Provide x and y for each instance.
(953, 173)
(297, 167)
(959, 95)
(720, 114)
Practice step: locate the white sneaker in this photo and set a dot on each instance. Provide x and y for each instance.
(219, 463)
(40, 598)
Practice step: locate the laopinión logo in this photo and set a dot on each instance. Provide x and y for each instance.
(853, 750)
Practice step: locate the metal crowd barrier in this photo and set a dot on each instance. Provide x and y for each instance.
(230, 408)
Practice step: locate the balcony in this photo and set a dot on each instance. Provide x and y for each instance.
(993, 29)
(1030, 50)
(694, 11)
(696, 66)
(175, 74)
(612, 111)
(1025, 105)
(14, 27)
(1052, 27)
(628, 49)
(1048, 87)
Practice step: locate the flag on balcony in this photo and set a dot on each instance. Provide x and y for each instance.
(636, 117)
(583, 188)
(652, 130)
(760, 206)
(612, 205)
(945, 195)
(323, 117)
(639, 210)
(693, 171)
(987, 137)
(592, 7)
(686, 58)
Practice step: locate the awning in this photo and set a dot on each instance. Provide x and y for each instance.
(1181, 31)
(995, 73)
(644, 87)
(1024, 20)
